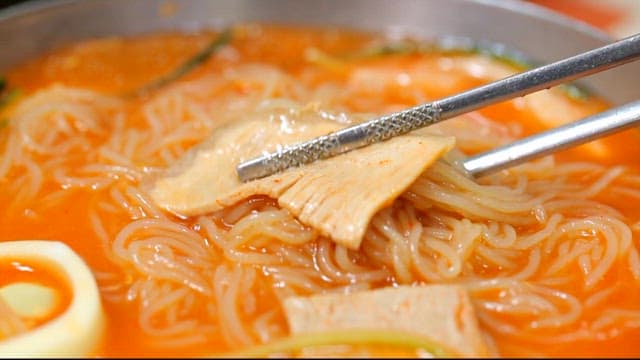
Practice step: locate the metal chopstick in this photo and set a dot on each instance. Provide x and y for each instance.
(386, 127)
(560, 138)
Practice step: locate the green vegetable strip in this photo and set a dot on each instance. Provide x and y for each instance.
(9, 97)
(220, 41)
(6, 97)
(346, 337)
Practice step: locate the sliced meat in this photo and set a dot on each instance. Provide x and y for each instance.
(442, 313)
(205, 178)
(337, 196)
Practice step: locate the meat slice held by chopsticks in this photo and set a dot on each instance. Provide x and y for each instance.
(337, 196)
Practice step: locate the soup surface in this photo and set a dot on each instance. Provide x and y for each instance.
(548, 251)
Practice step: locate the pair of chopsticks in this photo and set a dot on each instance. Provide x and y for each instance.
(386, 127)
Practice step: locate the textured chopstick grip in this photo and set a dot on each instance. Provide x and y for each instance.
(341, 141)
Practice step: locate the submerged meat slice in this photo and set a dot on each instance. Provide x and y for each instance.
(442, 313)
(553, 108)
(337, 196)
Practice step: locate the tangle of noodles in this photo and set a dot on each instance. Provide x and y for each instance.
(547, 252)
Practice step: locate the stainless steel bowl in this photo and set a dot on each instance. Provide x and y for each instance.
(31, 28)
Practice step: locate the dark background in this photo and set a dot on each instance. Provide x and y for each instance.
(5, 3)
